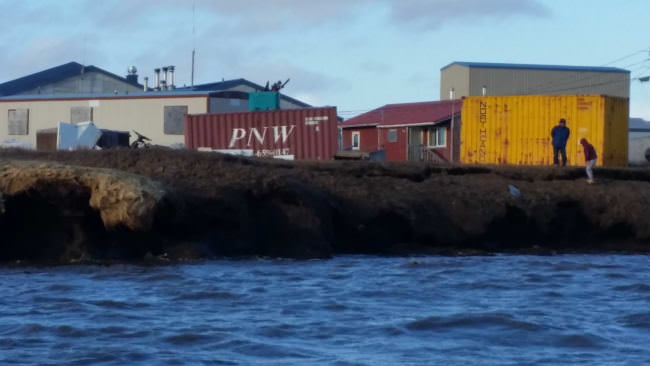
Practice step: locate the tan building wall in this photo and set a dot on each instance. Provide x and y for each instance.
(527, 82)
(469, 81)
(454, 77)
(143, 114)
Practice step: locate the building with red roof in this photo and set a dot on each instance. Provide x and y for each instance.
(424, 131)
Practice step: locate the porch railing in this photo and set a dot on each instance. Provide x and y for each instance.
(425, 153)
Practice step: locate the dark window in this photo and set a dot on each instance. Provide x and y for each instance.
(173, 122)
(438, 137)
(392, 136)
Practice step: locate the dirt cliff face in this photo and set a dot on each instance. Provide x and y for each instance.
(54, 212)
(121, 199)
(128, 205)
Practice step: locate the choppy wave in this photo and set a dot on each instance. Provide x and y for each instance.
(480, 321)
(511, 310)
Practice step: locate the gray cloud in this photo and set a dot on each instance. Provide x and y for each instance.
(45, 52)
(375, 67)
(431, 14)
(246, 16)
(234, 38)
(302, 80)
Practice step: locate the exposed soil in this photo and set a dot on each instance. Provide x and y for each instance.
(220, 205)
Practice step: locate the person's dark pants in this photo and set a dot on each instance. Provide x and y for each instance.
(562, 151)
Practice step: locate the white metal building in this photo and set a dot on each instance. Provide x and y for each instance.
(76, 93)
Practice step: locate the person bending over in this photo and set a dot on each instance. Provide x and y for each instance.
(590, 159)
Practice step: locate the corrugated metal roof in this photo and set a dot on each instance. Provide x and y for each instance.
(639, 125)
(491, 65)
(406, 114)
(122, 95)
(227, 84)
(52, 75)
(71, 69)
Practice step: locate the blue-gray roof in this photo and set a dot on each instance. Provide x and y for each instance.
(11, 90)
(639, 125)
(491, 65)
(227, 84)
(52, 75)
(125, 95)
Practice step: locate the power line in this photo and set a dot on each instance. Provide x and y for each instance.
(592, 85)
(637, 63)
(549, 86)
(555, 83)
(625, 57)
(552, 85)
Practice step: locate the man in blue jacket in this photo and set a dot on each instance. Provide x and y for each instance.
(560, 135)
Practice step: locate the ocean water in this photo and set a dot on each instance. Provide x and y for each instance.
(350, 310)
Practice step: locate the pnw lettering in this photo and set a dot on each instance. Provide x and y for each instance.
(278, 134)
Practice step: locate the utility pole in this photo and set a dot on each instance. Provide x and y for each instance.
(192, 78)
(193, 41)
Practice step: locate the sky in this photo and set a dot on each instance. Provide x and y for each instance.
(356, 55)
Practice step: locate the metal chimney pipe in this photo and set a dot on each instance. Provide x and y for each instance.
(146, 83)
(484, 90)
(156, 80)
(171, 77)
(164, 78)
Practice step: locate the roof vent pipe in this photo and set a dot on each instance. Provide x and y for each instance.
(146, 83)
(132, 75)
(163, 76)
(171, 77)
(484, 90)
(156, 80)
(452, 91)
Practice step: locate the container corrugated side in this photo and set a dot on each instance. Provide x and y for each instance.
(617, 115)
(309, 133)
(517, 129)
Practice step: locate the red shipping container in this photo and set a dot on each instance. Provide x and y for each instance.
(306, 134)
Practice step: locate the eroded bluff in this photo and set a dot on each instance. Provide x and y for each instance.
(100, 207)
(55, 213)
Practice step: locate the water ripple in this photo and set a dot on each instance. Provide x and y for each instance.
(637, 320)
(113, 304)
(208, 295)
(580, 341)
(353, 310)
(184, 339)
(436, 323)
(636, 288)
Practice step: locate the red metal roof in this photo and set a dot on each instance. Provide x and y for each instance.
(406, 114)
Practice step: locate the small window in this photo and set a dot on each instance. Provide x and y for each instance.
(174, 119)
(18, 121)
(356, 140)
(438, 137)
(392, 135)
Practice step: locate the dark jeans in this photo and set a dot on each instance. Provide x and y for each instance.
(562, 151)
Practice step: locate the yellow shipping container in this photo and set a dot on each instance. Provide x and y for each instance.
(517, 129)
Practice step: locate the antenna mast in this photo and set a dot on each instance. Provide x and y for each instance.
(193, 41)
